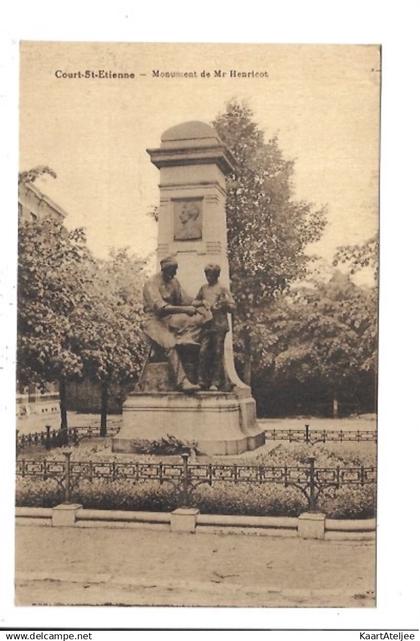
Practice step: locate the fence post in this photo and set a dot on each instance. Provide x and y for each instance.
(48, 441)
(185, 479)
(312, 499)
(311, 524)
(17, 442)
(306, 433)
(67, 477)
(184, 519)
(65, 514)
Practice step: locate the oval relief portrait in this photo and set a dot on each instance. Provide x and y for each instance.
(188, 219)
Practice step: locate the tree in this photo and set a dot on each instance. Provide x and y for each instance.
(359, 256)
(107, 335)
(32, 174)
(52, 284)
(268, 230)
(77, 316)
(321, 335)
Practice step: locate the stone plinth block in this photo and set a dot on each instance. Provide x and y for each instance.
(65, 514)
(311, 525)
(211, 422)
(184, 519)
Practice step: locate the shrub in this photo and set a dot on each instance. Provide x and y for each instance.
(246, 499)
(127, 495)
(264, 499)
(349, 502)
(38, 493)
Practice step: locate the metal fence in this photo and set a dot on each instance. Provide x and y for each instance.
(58, 437)
(73, 435)
(311, 436)
(185, 477)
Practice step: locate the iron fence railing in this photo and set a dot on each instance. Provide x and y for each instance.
(185, 477)
(313, 436)
(73, 435)
(57, 437)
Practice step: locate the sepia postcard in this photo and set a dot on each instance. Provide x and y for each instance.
(197, 325)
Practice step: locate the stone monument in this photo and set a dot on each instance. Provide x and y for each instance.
(193, 163)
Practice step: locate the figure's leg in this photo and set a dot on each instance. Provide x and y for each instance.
(218, 369)
(203, 360)
(181, 380)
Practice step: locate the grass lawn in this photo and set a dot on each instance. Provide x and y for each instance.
(356, 422)
(37, 423)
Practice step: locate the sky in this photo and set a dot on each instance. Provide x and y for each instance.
(321, 100)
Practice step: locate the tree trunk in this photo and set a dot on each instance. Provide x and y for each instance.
(104, 408)
(63, 411)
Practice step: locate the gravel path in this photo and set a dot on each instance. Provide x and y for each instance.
(71, 566)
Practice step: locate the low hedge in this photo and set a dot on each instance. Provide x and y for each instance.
(263, 499)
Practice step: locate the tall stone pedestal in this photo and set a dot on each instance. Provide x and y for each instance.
(193, 163)
(211, 422)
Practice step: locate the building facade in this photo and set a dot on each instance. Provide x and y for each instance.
(34, 205)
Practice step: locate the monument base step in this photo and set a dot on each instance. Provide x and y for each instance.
(213, 423)
(210, 448)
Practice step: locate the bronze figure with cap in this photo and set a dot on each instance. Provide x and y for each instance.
(171, 320)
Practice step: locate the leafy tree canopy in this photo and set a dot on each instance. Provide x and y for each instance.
(359, 256)
(268, 230)
(324, 334)
(77, 317)
(108, 337)
(32, 174)
(52, 286)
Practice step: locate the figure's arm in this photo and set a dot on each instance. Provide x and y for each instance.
(154, 300)
(178, 309)
(183, 303)
(199, 300)
(225, 301)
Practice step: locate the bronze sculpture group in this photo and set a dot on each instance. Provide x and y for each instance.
(174, 320)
